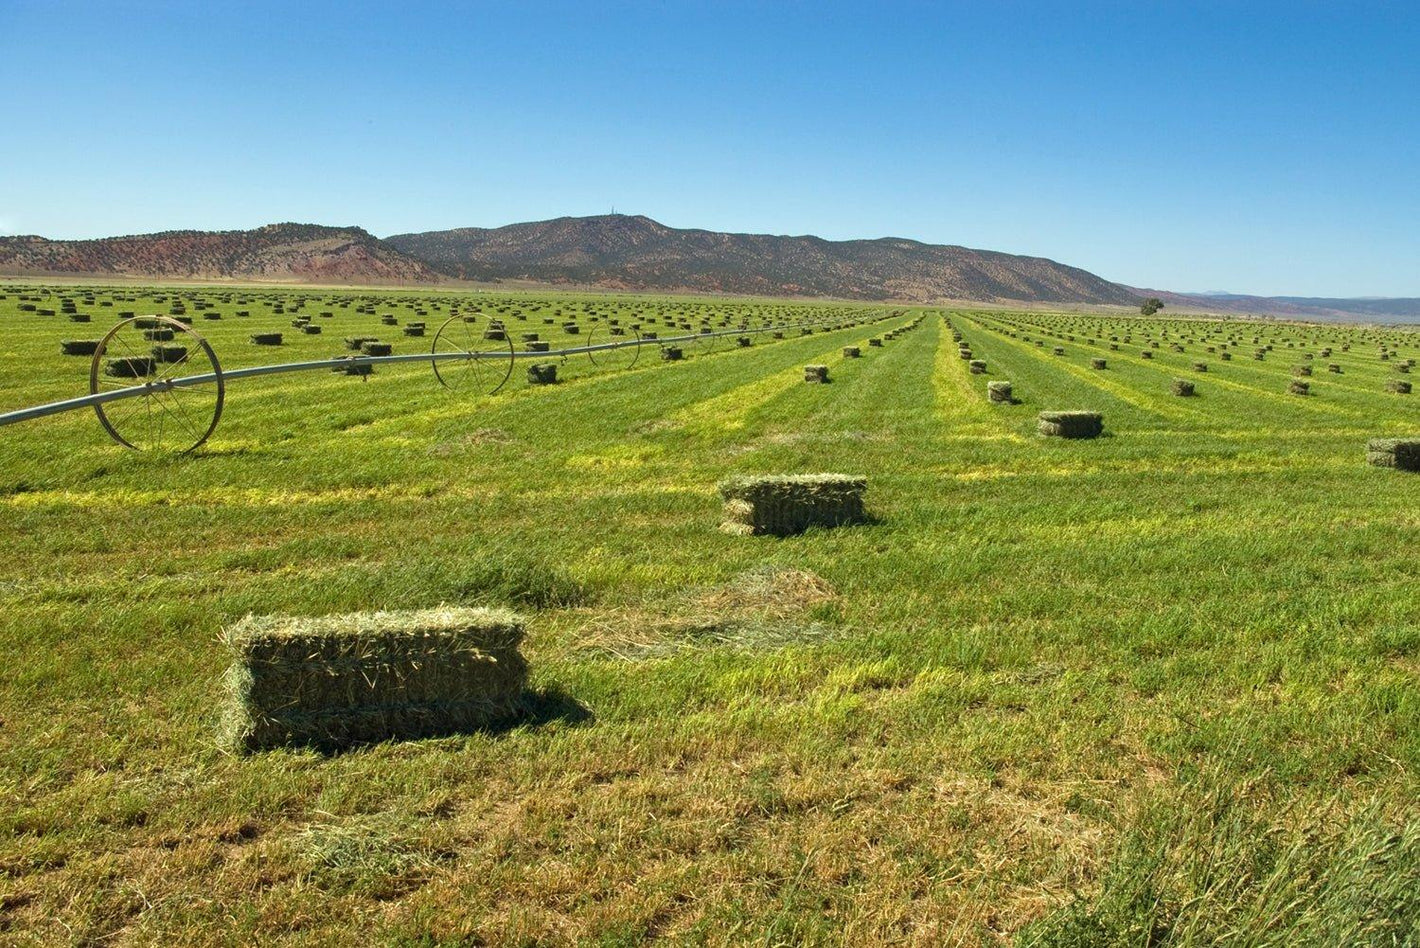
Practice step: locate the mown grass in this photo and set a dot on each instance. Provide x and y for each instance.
(1161, 685)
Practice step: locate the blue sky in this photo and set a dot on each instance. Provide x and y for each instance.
(1255, 147)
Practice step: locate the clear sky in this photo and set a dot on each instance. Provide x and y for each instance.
(1249, 146)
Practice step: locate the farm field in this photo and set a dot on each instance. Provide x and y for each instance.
(1155, 687)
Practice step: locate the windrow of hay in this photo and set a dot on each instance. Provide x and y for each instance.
(334, 681)
(783, 505)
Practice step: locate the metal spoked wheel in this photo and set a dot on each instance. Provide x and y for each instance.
(624, 356)
(179, 378)
(470, 361)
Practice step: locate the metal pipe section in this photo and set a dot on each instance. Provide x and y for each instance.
(137, 391)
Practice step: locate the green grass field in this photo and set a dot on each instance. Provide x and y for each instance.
(1154, 688)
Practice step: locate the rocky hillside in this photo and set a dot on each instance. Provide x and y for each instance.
(619, 251)
(306, 253)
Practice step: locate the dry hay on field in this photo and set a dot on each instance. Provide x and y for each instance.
(761, 609)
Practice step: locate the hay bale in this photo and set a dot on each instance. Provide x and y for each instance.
(875, 343)
(816, 374)
(538, 347)
(161, 334)
(413, 331)
(851, 352)
(129, 367)
(360, 369)
(169, 354)
(1182, 388)
(1298, 387)
(784, 505)
(1334, 368)
(1302, 371)
(542, 373)
(1099, 364)
(1070, 424)
(1146, 354)
(671, 354)
(78, 347)
(373, 348)
(1200, 366)
(999, 393)
(977, 366)
(1398, 387)
(266, 339)
(1400, 453)
(354, 343)
(336, 681)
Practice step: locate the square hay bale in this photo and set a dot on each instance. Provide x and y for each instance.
(1298, 387)
(999, 393)
(335, 681)
(377, 348)
(168, 353)
(875, 343)
(413, 331)
(1398, 387)
(851, 352)
(266, 339)
(1070, 424)
(1200, 366)
(816, 374)
(78, 347)
(784, 505)
(1182, 388)
(354, 343)
(1301, 370)
(1099, 364)
(1400, 453)
(129, 367)
(977, 366)
(538, 346)
(542, 373)
(671, 354)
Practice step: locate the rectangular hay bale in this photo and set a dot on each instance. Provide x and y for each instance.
(335, 681)
(1400, 453)
(784, 505)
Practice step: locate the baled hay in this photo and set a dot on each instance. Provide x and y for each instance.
(542, 373)
(340, 680)
(977, 366)
(815, 373)
(78, 347)
(129, 367)
(1070, 424)
(783, 505)
(1398, 386)
(1099, 364)
(999, 392)
(1400, 453)
(1182, 388)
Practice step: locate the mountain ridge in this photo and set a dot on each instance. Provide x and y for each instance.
(635, 252)
(285, 252)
